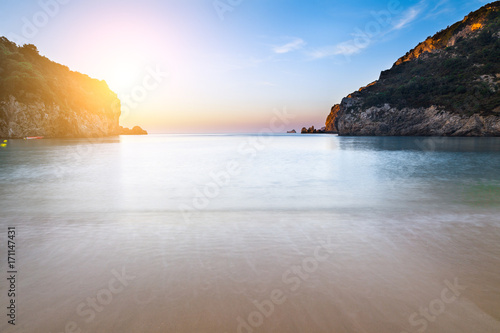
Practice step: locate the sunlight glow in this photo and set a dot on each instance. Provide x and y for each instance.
(123, 75)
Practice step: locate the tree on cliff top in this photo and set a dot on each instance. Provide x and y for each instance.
(30, 77)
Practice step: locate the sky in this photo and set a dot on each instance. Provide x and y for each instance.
(226, 66)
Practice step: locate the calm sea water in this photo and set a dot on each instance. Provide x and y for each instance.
(241, 233)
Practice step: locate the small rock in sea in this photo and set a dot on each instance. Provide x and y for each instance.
(136, 130)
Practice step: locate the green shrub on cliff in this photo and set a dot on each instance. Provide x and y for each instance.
(30, 77)
(461, 78)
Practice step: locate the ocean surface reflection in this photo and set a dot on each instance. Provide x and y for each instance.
(306, 234)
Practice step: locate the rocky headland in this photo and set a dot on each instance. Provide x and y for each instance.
(448, 85)
(39, 97)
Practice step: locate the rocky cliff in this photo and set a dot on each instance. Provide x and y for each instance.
(39, 97)
(449, 85)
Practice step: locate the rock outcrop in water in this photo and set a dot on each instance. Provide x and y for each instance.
(448, 85)
(136, 130)
(312, 130)
(39, 97)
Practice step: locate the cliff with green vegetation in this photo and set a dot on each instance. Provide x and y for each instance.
(449, 85)
(39, 97)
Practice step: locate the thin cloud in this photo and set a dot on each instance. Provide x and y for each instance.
(439, 5)
(346, 48)
(266, 84)
(408, 17)
(222, 63)
(296, 44)
(363, 39)
(442, 7)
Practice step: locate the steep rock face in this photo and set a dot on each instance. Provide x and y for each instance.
(330, 121)
(448, 85)
(386, 120)
(18, 120)
(39, 97)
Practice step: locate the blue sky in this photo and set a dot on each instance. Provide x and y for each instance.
(224, 66)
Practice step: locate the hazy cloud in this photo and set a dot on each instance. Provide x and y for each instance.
(346, 48)
(296, 44)
(362, 39)
(409, 16)
(441, 7)
(266, 83)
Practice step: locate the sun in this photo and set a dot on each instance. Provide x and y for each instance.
(122, 75)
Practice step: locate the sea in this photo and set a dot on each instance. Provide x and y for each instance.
(250, 233)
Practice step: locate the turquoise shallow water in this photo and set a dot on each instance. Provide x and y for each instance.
(208, 225)
(161, 173)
